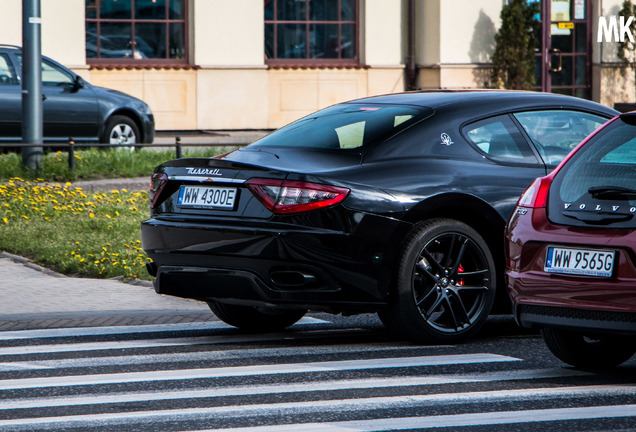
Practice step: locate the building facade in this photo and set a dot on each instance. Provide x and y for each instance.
(259, 64)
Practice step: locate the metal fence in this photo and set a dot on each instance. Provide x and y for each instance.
(70, 146)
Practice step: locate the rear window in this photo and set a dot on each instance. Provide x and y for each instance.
(346, 126)
(600, 178)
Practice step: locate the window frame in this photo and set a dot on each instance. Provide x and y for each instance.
(529, 156)
(133, 21)
(307, 61)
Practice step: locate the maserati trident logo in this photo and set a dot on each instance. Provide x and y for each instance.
(205, 171)
(446, 140)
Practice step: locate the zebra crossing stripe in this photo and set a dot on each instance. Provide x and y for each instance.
(453, 420)
(242, 371)
(210, 355)
(309, 387)
(115, 330)
(167, 342)
(476, 419)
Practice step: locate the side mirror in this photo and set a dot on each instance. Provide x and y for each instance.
(78, 83)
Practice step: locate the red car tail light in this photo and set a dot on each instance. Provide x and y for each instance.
(536, 196)
(157, 182)
(286, 196)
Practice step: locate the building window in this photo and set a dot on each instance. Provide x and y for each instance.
(136, 31)
(312, 32)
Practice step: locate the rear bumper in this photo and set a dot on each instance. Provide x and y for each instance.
(572, 302)
(587, 320)
(261, 263)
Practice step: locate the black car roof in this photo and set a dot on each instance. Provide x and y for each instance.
(503, 98)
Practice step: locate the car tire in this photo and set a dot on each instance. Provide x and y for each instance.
(598, 352)
(121, 130)
(445, 285)
(255, 319)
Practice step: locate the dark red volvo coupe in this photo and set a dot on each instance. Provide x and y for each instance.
(571, 251)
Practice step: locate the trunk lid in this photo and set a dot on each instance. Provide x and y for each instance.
(209, 187)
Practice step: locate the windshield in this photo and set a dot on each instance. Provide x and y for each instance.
(345, 126)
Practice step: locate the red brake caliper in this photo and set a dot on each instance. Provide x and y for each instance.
(460, 269)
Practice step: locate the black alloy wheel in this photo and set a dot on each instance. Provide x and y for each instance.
(255, 319)
(445, 285)
(589, 351)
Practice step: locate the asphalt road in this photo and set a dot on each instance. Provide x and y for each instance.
(326, 373)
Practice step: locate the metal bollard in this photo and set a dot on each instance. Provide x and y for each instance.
(71, 155)
(178, 146)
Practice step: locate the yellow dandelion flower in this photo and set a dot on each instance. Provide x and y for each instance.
(5, 220)
(92, 215)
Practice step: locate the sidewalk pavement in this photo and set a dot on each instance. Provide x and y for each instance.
(33, 297)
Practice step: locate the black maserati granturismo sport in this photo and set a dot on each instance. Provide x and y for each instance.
(392, 204)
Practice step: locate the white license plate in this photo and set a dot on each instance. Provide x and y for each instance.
(207, 197)
(587, 262)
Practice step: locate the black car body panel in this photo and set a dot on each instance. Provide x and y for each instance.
(72, 108)
(342, 258)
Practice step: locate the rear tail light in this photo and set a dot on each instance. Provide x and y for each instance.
(536, 196)
(157, 182)
(286, 196)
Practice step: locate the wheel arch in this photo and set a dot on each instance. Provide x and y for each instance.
(480, 216)
(131, 114)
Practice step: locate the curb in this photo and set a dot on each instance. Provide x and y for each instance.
(106, 185)
(30, 264)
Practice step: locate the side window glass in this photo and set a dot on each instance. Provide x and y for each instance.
(7, 73)
(52, 76)
(556, 132)
(500, 139)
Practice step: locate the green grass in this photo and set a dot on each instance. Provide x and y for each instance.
(61, 227)
(97, 163)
